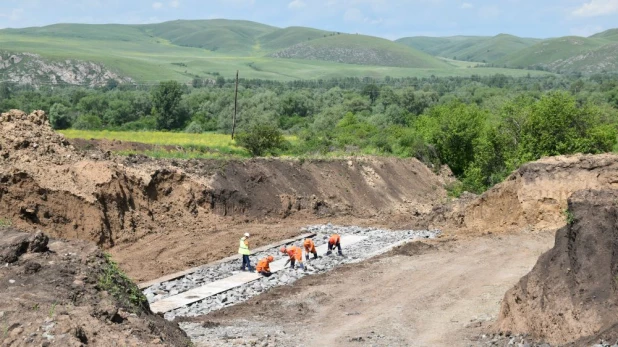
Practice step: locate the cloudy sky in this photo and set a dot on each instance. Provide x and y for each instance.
(386, 18)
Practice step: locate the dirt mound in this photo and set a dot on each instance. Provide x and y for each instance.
(69, 294)
(572, 291)
(534, 197)
(190, 211)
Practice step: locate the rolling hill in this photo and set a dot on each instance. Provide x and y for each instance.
(470, 48)
(188, 49)
(553, 53)
(361, 50)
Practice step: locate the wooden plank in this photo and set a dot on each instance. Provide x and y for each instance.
(173, 276)
(223, 285)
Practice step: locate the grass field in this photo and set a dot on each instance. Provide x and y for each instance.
(137, 52)
(206, 145)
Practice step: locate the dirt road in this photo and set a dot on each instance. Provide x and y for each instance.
(436, 295)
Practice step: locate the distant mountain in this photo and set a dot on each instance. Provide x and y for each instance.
(611, 35)
(470, 48)
(360, 49)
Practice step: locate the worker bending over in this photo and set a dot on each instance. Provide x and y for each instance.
(310, 248)
(334, 241)
(243, 249)
(296, 255)
(263, 266)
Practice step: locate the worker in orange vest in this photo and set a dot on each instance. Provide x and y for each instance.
(310, 248)
(263, 266)
(334, 241)
(296, 255)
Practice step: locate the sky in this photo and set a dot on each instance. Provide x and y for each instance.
(390, 19)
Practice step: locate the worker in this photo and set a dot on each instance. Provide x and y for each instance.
(334, 241)
(296, 255)
(263, 266)
(310, 248)
(243, 249)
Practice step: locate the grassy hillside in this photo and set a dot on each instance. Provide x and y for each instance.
(362, 50)
(548, 52)
(611, 35)
(176, 50)
(228, 36)
(291, 36)
(470, 48)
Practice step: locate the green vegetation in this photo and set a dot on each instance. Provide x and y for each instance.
(362, 50)
(260, 139)
(570, 218)
(5, 222)
(208, 49)
(470, 48)
(481, 127)
(114, 281)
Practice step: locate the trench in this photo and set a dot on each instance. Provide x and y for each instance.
(373, 241)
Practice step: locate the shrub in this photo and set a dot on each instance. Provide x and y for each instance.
(88, 122)
(194, 128)
(260, 139)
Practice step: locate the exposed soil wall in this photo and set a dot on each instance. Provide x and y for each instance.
(572, 291)
(533, 198)
(45, 182)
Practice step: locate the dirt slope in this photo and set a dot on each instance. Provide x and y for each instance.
(533, 197)
(179, 213)
(441, 294)
(572, 291)
(57, 293)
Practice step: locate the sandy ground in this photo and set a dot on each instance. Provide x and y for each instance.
(440, 295)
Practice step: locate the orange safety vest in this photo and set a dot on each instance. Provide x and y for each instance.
(309, 246)
(263, 265)
(334, 239)
(295, 253)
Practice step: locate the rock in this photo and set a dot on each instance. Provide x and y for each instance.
(38, 242)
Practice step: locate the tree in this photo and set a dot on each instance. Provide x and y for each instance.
(166, 105)
(197, 83)
(59, 117)
(260, 139)
(372, 91)
(220, 81)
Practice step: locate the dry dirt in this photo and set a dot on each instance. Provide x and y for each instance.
(61, 293)
(534, 197)
(441, 294)
(161, 216)
(572, 292)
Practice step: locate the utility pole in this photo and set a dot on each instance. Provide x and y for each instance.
(235, 106)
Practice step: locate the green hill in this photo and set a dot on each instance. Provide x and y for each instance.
(611, 35)
(362, 50)
(287, 37)
(229, 36)
(550, 53)
(470, 48)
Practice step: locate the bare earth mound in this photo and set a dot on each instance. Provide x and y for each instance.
(161, 216)
(534, 197)
(572, 291)
(57, 293)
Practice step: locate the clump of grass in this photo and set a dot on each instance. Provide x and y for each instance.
(570, 217)
(52, 310)
(5, 222)
(115, 281)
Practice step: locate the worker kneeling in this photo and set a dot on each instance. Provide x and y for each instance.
(334, 242)
(310, 248)
(263, 266)
(296, 255)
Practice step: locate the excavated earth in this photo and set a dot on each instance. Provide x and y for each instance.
(67, 293)
(162, 216)
(571, 294)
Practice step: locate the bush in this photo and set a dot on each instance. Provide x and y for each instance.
(260, 139)
(194, 128)
(88, 122)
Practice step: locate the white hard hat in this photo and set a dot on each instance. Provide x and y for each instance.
(246, 234)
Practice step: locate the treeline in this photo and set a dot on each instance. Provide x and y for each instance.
(482, 127)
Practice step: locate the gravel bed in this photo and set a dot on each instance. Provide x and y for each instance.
(377, 239)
